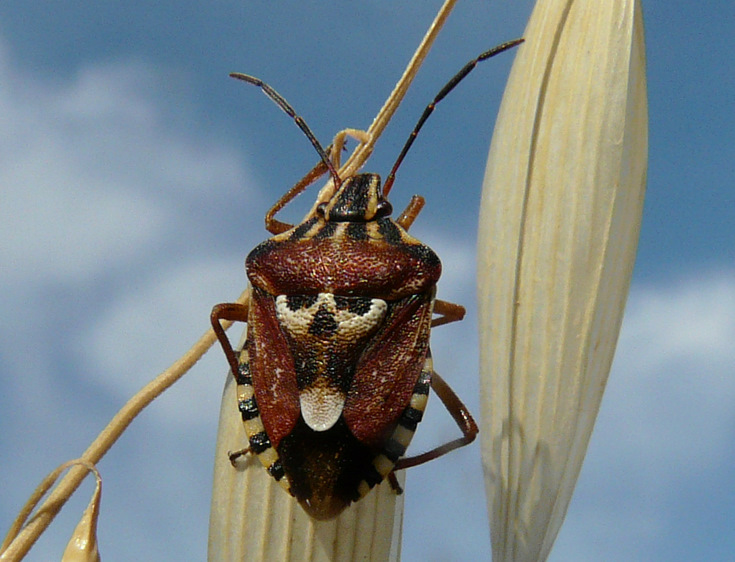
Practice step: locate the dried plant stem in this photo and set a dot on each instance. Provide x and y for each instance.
(358, 158)
(107, 437)
(399, 91)
(38, 494)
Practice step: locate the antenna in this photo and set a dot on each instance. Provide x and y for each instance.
(286, 107)
(439, 97)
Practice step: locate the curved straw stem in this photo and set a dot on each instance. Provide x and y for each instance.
(358, 158)
(21, 544)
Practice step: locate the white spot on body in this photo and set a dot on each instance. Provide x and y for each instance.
(359, 324)
(321, 407)
(350, 325)
(332, 332)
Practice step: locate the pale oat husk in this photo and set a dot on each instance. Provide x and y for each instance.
(559, 226)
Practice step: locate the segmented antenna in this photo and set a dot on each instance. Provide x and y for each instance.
(439, 97)
(286, 107)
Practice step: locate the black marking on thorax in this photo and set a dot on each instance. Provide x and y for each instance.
(327, 230)
(357, 231)
(300, 231)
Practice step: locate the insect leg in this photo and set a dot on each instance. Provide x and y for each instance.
(275, 226)
(448, 311)
(394, 483)
(234, 312)
(334, 150)
(461, 416)
(405, 220)
(234, 455)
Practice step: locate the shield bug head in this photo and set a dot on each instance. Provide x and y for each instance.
(335, 372)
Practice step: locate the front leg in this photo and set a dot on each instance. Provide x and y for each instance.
(277, 227)
(233, 312)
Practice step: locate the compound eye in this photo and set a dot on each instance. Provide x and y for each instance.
(384, 209)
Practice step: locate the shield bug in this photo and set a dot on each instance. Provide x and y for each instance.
(335, 372)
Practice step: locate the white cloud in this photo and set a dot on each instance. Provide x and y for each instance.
(91, 170)
(96, 179)
(458, 266)
(673, 375)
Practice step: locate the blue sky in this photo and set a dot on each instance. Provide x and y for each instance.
(134, 181)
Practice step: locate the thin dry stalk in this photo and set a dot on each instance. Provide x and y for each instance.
(363, 151)
(27, 537)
